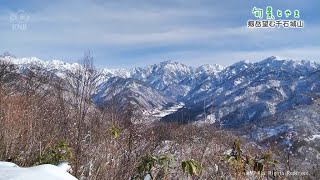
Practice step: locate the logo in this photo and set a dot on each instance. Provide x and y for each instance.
(19, 21)
(290, 19)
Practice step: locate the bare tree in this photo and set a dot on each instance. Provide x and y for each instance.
(84, 81)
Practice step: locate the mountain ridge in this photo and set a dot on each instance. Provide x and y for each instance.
(264, 100)
(193, 85)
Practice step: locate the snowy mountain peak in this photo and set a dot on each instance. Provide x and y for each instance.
(275, 58)
(116, 72)
(172, 66)
(163, 63)
(210, 68)
(241, 63)
(50, 65)
(274, 62)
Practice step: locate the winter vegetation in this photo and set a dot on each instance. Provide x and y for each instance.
(134, 126)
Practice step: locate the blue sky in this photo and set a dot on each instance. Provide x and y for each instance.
(127, 33)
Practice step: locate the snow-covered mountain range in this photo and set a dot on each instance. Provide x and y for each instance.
(276, 100)
(234, 96)
(231, 95)
(150, 89)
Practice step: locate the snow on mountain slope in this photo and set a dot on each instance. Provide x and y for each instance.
(296, 130)
(246, 91)
(174, 79)
(54, 65)
(209, 69)
(168, 79)
(61, 68)
(128, 93)
(203, 73)
(166, 111)
(162, 75)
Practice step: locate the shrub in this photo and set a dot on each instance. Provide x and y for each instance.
(191, 167)
(60, 152)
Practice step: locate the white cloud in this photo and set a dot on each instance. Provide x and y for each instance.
(200, 31)
(226, 58)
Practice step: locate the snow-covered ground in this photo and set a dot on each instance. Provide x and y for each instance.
(10, 171)
(209, 119)
(313, 137)
(164, 112)
(265, 133)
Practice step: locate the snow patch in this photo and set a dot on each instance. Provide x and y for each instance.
(313, 137)
(10, 171)
(162, 113)
(251, 114)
